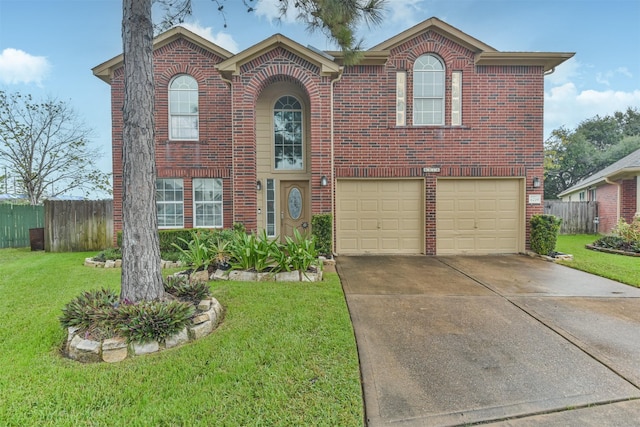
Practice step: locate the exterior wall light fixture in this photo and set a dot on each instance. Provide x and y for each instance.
(323, 181)
(258, 185)
(536, 182)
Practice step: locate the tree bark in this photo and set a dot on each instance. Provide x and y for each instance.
(141, 273)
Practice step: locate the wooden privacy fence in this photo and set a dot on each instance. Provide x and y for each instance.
(577, 217)
(73, 226)
(15, 222)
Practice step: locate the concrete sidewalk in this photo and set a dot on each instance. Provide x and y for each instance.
(509, 339)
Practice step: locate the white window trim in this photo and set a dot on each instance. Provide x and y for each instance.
(197, 202)
(196, 114)
(172, 202)
(441, 98)
(456, 98)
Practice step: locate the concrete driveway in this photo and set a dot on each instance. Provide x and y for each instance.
(505, 340)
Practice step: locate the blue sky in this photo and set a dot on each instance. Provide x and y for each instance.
(48, 47)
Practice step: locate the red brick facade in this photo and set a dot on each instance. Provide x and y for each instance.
(353, 131)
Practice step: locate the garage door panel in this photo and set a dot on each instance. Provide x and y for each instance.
(389, 215)
(479, 216)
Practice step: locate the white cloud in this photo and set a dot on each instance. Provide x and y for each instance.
(17, 66)
(567, 106)
(405, 12)
(270, 9)
(565, 72)
(222, 39)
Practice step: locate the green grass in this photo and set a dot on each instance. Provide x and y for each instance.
(625, 269)
(284, 355)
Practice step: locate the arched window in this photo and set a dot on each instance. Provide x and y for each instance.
(428, 91)
(183, 108)
(287, 133)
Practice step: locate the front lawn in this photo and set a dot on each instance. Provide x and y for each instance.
(284, 355)
(625, 269)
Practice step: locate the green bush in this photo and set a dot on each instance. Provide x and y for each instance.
(544, 233)
(302, 252)
(196, 254)
(153, 320)
(180, 287)
(321, 228)
(92, 312)
(100, 315)
(108, 254)
(629, 232)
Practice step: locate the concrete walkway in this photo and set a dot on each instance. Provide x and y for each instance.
(499, 340)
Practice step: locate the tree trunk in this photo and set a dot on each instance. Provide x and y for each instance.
(141, 274)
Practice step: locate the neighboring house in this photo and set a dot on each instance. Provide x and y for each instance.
(616, 188)
(430, 145)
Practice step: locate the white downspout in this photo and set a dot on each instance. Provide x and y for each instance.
(233, 160)
(332, 175)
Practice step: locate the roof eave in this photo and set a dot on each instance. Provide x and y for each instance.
(441, 27)
(232, 65)
(617, 175)
(379, 57)
(547, 60)
(105, 70)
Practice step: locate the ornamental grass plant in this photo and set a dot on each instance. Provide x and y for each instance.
(284, 355)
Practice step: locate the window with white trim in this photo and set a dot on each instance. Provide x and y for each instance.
(287, 132)
(170, 202)
(183, 108)
(271, 208)
(207, 202)
(428, 91)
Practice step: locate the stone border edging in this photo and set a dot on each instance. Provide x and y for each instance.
(117, 349)
(612, 251)
(89, 262)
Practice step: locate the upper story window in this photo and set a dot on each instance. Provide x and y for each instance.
(428, 91)
(183, 108)
(287, 133)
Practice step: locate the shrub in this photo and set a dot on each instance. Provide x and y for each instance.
(196, 254)
(609, 242)
(301, 252)
(627, 232)
(108, 254)
(321, 226)
(180, 287)
(92, 312)
(544, 233)
(153, 320)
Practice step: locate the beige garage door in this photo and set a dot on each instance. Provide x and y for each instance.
(479, 216)
(380, 216)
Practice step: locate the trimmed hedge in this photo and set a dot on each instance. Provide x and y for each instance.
(544, 233)
(167, 238)
(321, 228)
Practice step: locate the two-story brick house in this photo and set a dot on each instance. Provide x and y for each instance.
(432, 144)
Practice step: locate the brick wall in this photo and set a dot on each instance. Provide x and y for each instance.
(501, 133)
(607, 198)
(628, 206)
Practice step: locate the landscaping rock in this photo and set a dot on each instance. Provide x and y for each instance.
(265, 277)
(201, 318)
(311, 277)
(86, 351)
(201, 330)
(109, 264)
(139, 348)
(114, 350)
(204, 305)
(177, 339)
(243, 276)
(220, 275)
(288, 276)
(199, 277)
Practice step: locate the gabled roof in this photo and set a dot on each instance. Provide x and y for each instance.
(232, 65)
(105, 70)
(438, 26)
(485, 54)
(624, 168)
